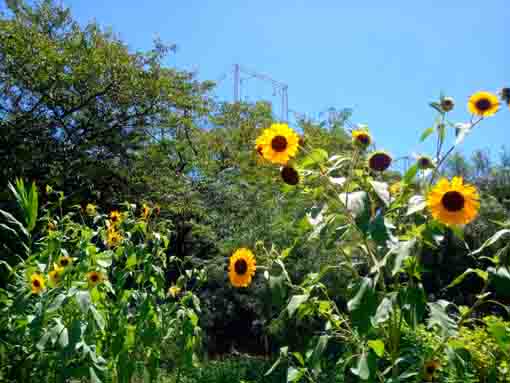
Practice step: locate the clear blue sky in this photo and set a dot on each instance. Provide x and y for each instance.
(385, 59)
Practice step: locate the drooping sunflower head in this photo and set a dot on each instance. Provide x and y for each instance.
(447, 104)
(115, 217)
(361, 138)
(424, 162)
(504, 93)
(174, 290)
(65, 261)
(379, 161)
(91, 209)
(36, 283)
(278, 144)
(483, 104)
(94, 278)
(290, 175)
(51, 226)
(241, 267)
(429, 369)
(453, 203)
(113, 238)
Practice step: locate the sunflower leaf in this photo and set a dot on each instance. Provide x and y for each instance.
(482, 274)
(427, 132)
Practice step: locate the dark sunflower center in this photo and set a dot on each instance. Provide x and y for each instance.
(259, 150)
(363, 139)
(453, 201)
(64, 262)
(115, 218)
(290, 175)
(36, 283)
(94, 277)
(505, 94)
(240, 266)
(379, 162)
(424, 163)
(279, 143)
(430, 370)
(483, 104)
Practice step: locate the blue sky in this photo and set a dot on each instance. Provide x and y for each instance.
(386, 61)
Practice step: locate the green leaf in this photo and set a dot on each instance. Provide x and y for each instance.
(93, 377)
(56, 303)
(384, 310)
(362, 369)
(402, 251)
(439, 317)
(501, 333)
(495, 237)
(294, 374)
(410, 174)
(295, 302)
(97, 317)
(382, 191)
(355, 302)
(319, 349)
(378, 347)
(427, 132)
(84, 301)
(299, 358)
(363, 305)
(131, 261)
(482, 274)
(416, 203)
(315, 157)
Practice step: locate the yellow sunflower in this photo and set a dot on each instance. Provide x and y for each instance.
(65, 261)
(241, 268)
(55, 275)
(174, 290)
(94, 278)
(429, 369)
(361, 138)
(115, 217)
(91, 209)
(483, 104)
(453, 203)
(37, 283)
(146, 211)
(113, 237)
(278, 144)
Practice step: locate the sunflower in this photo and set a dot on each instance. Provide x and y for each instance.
(94, 278)
(361, 138)
(241, 268)
(447, 104)
(453, 203)
(483, 104)
(65, 261)
(174, 290)
(91, 209)
(279, 143)
(51, 226)
(146, 211)
(424, 162)
(115, 217)
(429, 369)
(290, 175)
(379, 161)
(259, 150)
(113, 238)
(37, 283)
(55, 275)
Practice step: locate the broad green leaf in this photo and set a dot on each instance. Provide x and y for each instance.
(402, 251)
(131, 261)
(439, 317)
(482, 274)
(355, 302)
(57, 302)
(299, 358)
(97, 317)
(315, 157)
(384, 310)
(382, 191)
(295, 302)
(363, 305)
(294, 374)
(501, 333)
(84, 301)
(416, 203)
(378, 347)
(362, 369)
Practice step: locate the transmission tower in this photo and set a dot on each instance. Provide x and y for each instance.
(279, 86)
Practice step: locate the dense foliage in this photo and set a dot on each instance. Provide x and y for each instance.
(133, 209)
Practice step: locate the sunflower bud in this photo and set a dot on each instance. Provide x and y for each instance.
(424, 163)
(379, 161)
(505, 95)
(447, 104)
(290, 175)
(361, 138)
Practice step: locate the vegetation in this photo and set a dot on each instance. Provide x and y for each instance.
(149, 233)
